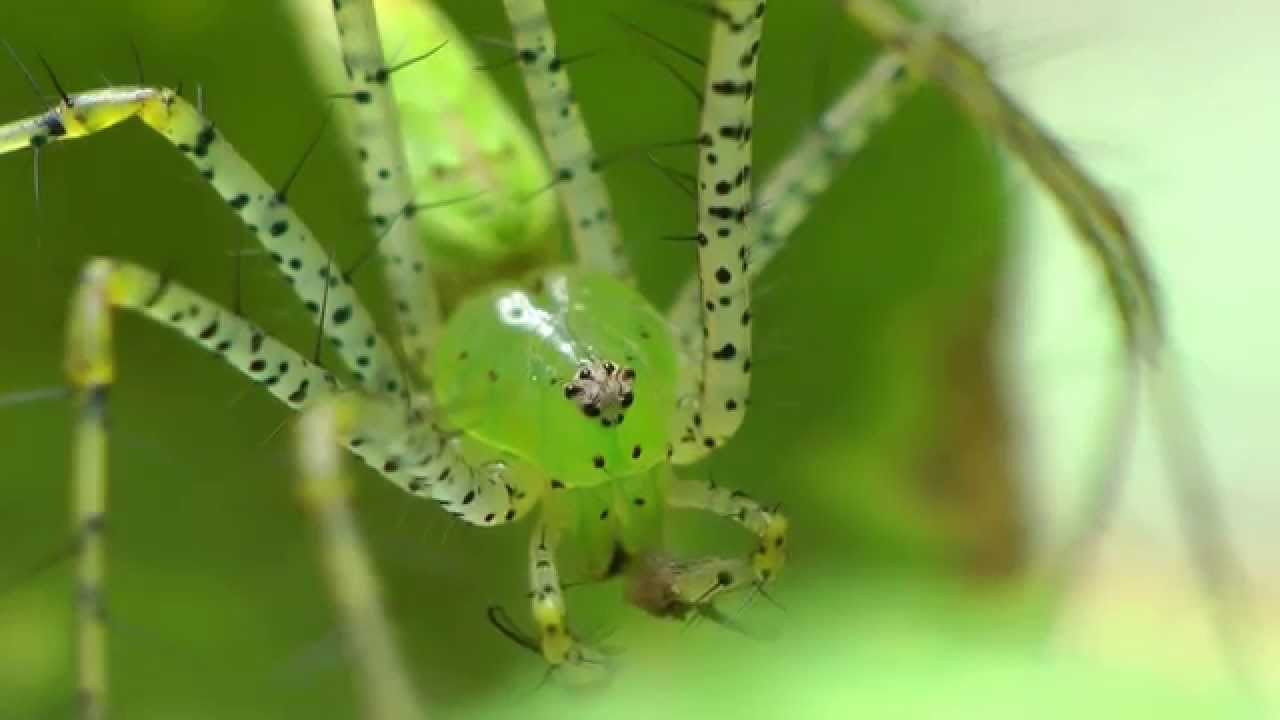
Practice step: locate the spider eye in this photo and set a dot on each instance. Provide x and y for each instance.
(609, 368)
(572, 391)
(584, 374)
(628, 374)
(591, 410)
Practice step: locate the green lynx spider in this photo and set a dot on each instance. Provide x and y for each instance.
(681, 382)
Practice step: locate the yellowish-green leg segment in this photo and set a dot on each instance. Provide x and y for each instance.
(394, 437)
(768, 525)
(575, 165)
(791, 191)
(315, 278)
(946, 62)
(324, 488)
(546, 598)
(726, 233)
(104, 286)
(91, 373)
(385, 171)
(1098, 224)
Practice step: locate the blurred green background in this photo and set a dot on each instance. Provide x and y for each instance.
(880, 419)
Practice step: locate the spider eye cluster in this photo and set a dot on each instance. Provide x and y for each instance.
(601, 389)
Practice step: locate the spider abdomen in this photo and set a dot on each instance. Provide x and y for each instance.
(576, 375)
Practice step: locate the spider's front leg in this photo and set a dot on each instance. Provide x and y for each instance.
(726, 233)
(767, 524)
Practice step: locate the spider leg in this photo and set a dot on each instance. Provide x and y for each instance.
(324, 489)
(388, 183)
(576, 167)
(788, 195)
(727, 227)
(422, 458)
(559, 647)
(107, 285)
(767, 524)
(942, 59)
(314, 276)
(1099, 225)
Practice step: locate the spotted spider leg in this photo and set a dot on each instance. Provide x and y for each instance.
(385, 171)
(323, 487)
(768, 525)
(560, 648)
(791, 189)
(1098, 224)
(107, 285)
(576, 167)
(314, 276)
(726, 232)
(957, 71)
(391, 435)
(411, 453)
(714, 376)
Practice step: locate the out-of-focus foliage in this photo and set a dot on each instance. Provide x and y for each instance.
(872, 330)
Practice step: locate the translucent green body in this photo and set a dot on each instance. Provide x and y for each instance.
(508, 352)
(478, 168)
(464, 141)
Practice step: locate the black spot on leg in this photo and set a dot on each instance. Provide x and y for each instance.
(203, 141)
(300, 395)
(723, 275)
(278, 228)
(726, 352)
(342, 315)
